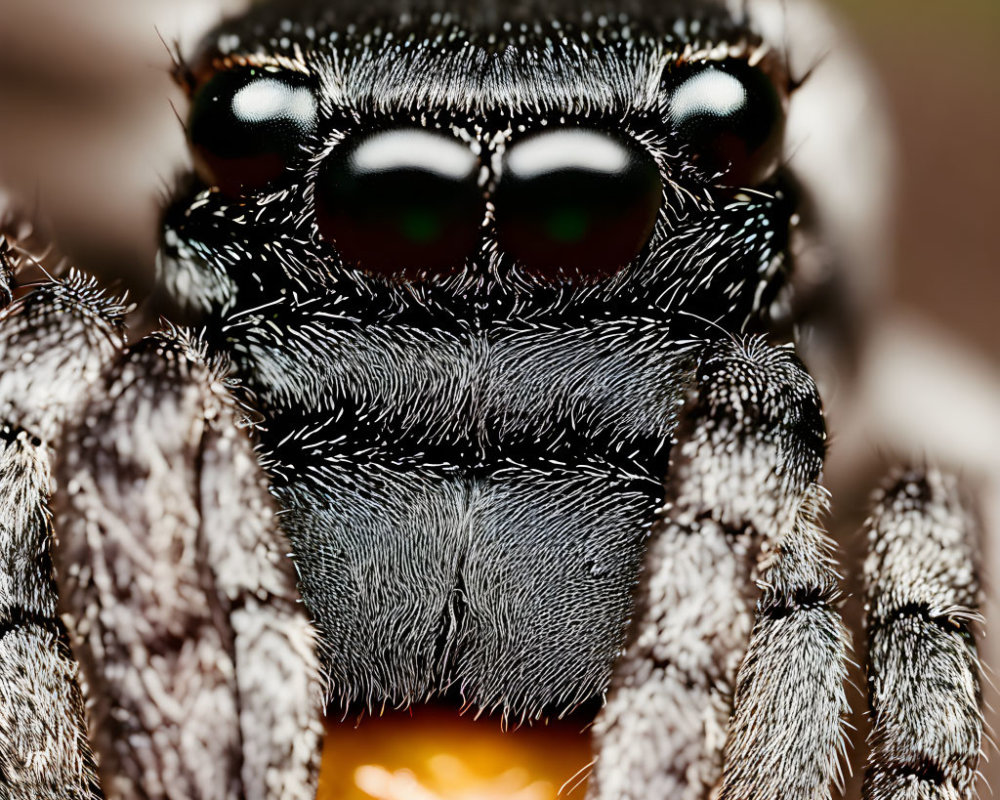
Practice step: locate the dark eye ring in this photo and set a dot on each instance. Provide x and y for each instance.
(576, 204)
(732, 116)
(248, 124)
(401, 203)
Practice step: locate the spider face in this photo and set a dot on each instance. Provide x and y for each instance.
(465, 263)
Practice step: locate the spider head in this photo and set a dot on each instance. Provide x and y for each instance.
(465, 260)
(434, 153)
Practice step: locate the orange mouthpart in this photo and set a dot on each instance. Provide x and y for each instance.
(436, 754)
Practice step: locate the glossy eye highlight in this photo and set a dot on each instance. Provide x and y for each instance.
(732, 116)
(246, 125)
(401, 203)
(576, 203)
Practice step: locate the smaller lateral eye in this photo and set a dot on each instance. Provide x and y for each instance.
(576, 203)
(402, 203)
(246, 125)
(733, 117)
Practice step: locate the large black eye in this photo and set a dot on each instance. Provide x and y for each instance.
(246, 125)
(401, 203)
(733, 117)
(575, 203)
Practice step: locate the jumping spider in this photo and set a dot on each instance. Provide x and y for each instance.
(505, 295)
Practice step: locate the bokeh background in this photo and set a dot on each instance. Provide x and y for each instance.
(89, 142)
(938, 65)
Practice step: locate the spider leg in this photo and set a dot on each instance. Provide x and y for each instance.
(179, 589)
(687, 710)
(51, 344)
(921, 593)
(199, 666)
(44, 752)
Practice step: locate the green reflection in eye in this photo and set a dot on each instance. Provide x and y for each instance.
(575, 203)
(402, 203)
(568, 224)
(421, 226)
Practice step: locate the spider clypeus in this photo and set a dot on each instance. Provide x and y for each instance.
(504, 295)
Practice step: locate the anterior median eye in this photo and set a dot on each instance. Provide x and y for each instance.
(733, 117)
(576, 203)
(247, 124)
(401, 203)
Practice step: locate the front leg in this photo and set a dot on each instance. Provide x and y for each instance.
(742, 504)
(201, 678)
(187, 623)
(52, 343)
(44, 752)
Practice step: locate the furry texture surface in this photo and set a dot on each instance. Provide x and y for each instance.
(53, 344)
(45, 752)
(725, 684)
(922, 593)
(198, 662)
(482, 475)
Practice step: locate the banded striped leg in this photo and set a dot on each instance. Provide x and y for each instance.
(180, 591)
(200, 672)
(922, 596)
(44, 752)
(785, 734)
(742, 502)
(51, 346)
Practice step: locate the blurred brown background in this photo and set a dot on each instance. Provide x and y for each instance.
(938, 65)
(88, 136)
